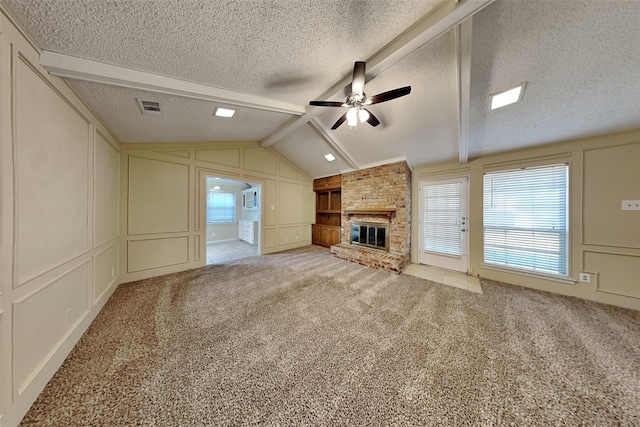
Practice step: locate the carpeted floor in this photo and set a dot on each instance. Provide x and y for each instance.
(302, 338)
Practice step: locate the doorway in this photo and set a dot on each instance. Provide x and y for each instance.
(232, 219)
(444, 213)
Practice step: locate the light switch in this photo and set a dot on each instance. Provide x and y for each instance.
(631, 205)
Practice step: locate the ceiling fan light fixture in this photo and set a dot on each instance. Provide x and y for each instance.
(352, 117)
(363, 115)
(507, 97)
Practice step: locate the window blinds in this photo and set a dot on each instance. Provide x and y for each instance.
(525, 219)
(442, 213)
(221, 207)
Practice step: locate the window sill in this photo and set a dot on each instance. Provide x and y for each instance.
(549, 277)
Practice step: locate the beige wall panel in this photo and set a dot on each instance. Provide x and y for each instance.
(289, 195)
(269, 198)
(107, 164)
(43, 319)
(105, 271)
(308, 204)
(269, 238)
(260, 160)
(225, 157)
(306, 233)
(154, 253)
(196, 247)
(52, 149)
(617, 274)
(185, 154)
(285, 170)
(611, 174)
(287, 235)
(158, 196)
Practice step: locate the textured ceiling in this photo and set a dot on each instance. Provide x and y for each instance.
(579, 58)
(274, 48)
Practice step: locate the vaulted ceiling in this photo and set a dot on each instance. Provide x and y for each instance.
(268, 58)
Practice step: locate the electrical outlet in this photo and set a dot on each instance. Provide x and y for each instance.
(631, 205)
(585, 277)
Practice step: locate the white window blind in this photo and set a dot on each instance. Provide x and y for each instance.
(221, 207)
(525, 219)
(442, 212)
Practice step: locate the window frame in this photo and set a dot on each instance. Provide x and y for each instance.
(212, 194)
(557, 275)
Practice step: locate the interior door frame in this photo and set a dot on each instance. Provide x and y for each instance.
(202, 209)
(449, 262)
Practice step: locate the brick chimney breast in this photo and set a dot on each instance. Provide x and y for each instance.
(383, 188)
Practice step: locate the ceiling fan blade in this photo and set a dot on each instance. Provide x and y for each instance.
(372, 120)
(326, 103)
(359, 71)
(388, 96)
(340, 121)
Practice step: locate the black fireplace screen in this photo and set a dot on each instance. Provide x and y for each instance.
(372, 234)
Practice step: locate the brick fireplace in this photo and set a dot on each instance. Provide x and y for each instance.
(380, 196)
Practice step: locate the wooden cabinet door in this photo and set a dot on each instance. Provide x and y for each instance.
(315, 235)
(334, 236)
(325, 237)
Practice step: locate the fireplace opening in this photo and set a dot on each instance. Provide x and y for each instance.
(371, 234)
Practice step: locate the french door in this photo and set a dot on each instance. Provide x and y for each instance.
(444, 240)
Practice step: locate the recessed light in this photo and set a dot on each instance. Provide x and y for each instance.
(329, 157)
(224, 112)
(507, 97)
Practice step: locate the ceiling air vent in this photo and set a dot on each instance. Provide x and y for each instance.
(149, 108)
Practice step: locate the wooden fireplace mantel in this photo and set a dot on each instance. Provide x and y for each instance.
(388, 212)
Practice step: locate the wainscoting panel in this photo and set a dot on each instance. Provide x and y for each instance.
(224, 156)
(616, 273)
(611, 175)
(259, 160)
(52, 216)
(158, 196)
(289, 194)
(185, 154)
(288, 235)
(154, 253)
(308, 204)
(269, 201)
(285, 170)
(107, 170)
(105, 271)
(269, 238)
(43, 319)
(306, 233)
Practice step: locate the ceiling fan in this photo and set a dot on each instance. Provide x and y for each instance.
(358, 100)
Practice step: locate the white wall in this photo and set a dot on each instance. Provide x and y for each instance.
(59, 237)
(163, 190)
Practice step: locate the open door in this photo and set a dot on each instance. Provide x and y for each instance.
(444, 214)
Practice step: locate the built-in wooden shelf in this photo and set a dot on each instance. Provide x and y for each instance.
(388, 212)
(326, 230)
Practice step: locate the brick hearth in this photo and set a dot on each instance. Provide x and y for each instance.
(386, 187)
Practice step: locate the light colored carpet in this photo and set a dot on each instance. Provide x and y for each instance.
(303, 338)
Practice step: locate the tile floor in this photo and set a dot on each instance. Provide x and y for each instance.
(221, 252)
(446, 277)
